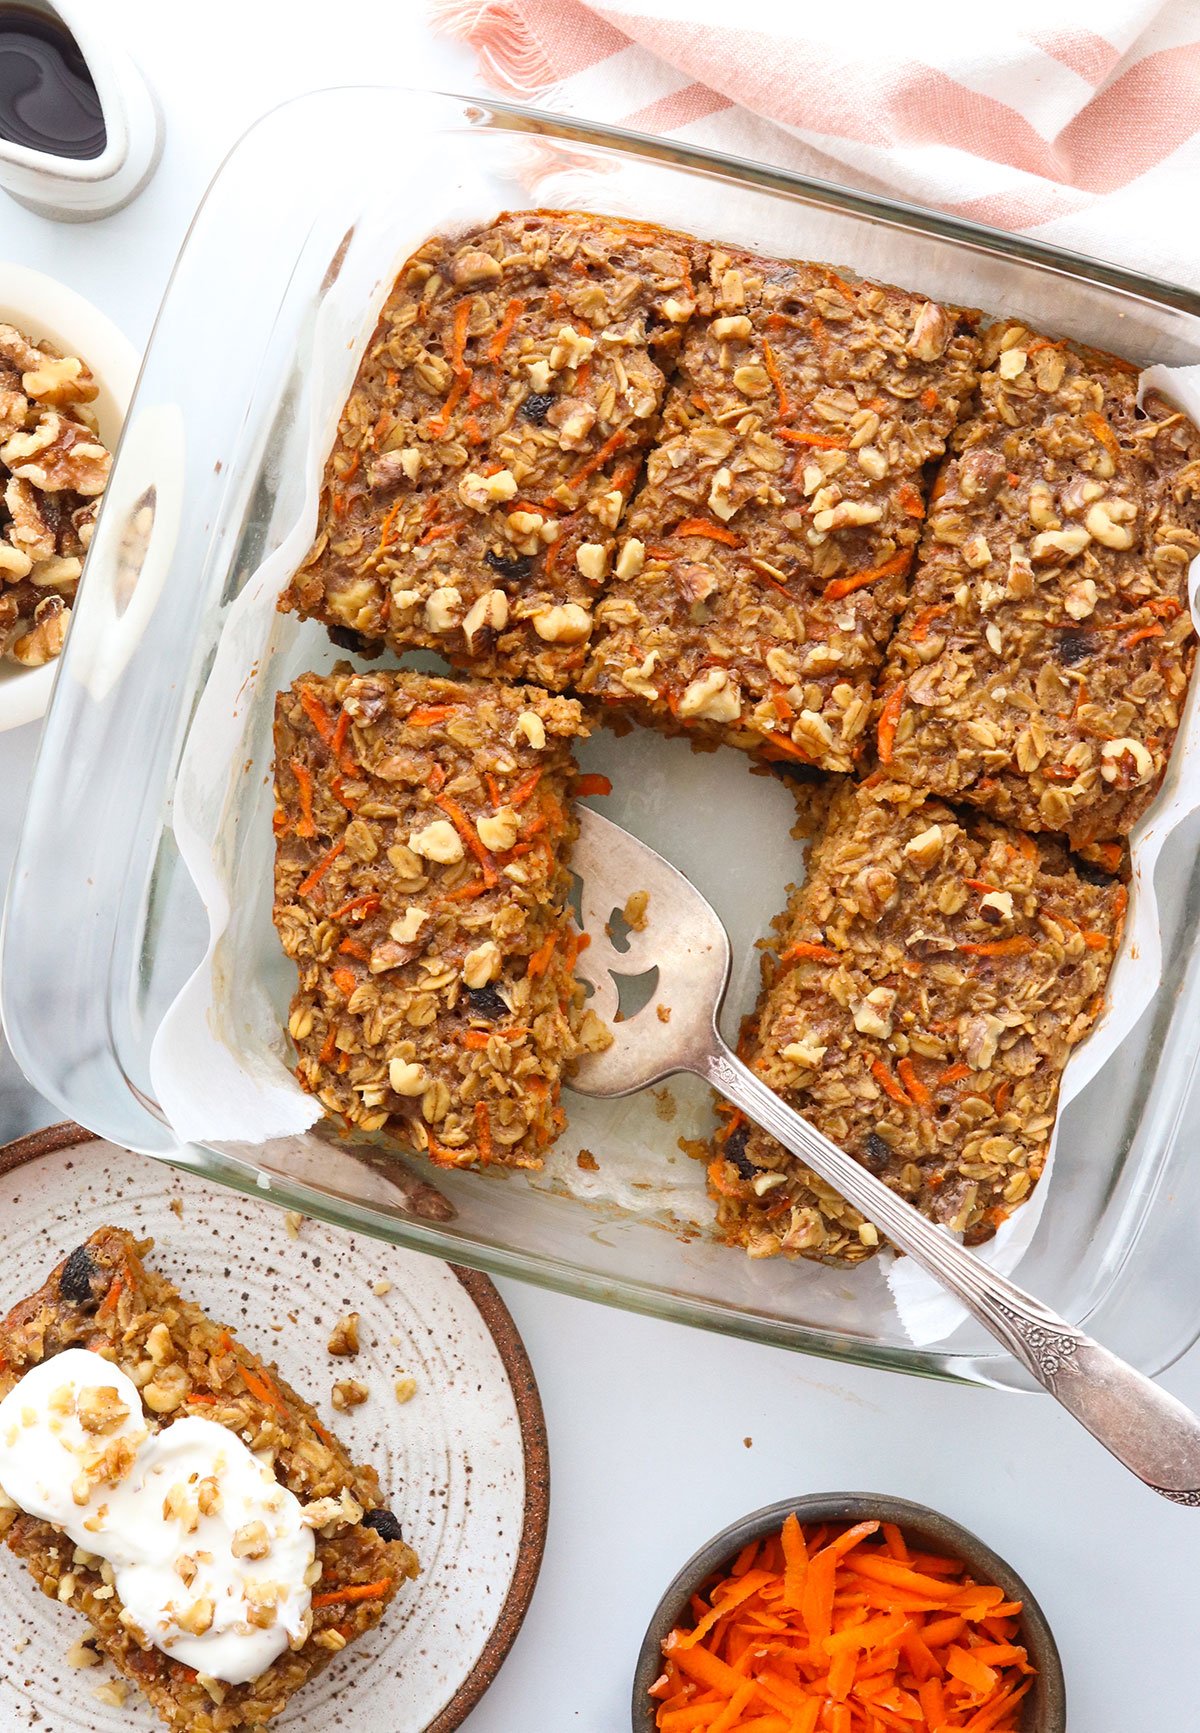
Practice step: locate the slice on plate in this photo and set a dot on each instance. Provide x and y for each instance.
(164, 1482)
(935, 971)
(763, 563)
(492, 438)
(1041, 667)
(423, 834)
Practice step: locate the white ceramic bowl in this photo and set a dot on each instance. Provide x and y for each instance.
(45, 310)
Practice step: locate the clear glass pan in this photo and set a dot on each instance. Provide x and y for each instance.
(103, 925)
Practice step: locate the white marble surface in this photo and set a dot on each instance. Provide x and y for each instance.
(659, 1435)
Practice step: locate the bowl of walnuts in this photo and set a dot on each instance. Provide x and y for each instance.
(66, 377)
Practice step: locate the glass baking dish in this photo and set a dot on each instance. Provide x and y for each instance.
(103, 924)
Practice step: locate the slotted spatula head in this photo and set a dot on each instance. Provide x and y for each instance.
(682, 938)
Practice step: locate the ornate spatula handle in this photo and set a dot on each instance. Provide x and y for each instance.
(1145, 1428)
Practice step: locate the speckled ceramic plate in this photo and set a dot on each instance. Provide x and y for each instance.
(463, 1464)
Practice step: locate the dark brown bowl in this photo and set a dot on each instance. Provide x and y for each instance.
(1046, 1705)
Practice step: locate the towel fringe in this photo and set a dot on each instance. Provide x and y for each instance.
(510, 56)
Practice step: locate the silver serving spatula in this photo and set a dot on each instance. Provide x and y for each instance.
(1145, 1428)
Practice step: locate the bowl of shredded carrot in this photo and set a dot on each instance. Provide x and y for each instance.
(848, 1613)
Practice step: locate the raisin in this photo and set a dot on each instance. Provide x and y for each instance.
(537, 406)
(735, 1151)
(79, 1272)
(1090, 873)
(877, 1153)
(792, 772)
(515, 566)
(386, 1525)
(1072, 647)
(347, 639)
(486, 1002)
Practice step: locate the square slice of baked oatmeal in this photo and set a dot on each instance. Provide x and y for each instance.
(764, 560)
(493, 435)
(935, 971)
(423, 833)
(137, 1383)
(1041, 666)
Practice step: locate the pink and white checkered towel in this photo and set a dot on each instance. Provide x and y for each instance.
(1081, 124)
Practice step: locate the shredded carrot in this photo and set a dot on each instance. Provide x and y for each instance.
(346, 981)
(910, 501)
(599, 458)
(1138, 637)
(954, 1074)
(317, 714)
(888, 1084)
(1000, 1098)
(385, 528)
(811, 953)
(304, 787)
(539, 962)
(261, 1387)
(358, 908)
(108, 1304)
(840, 587)
(889, 718)
(1019, 945)
(318, 872)
(505, 329)
(470, 836)
(776, 378)
(919, 630)
(483, 1131)
(929, 398)
(355, 1592)
(1103, 432)
(800, 436)
(1093, 940)
(700, 526)
(592, 782)
(916, 1090)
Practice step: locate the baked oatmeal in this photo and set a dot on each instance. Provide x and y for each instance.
(1041, 667)
(423, 833)
(492, 438)
(935, 971)
(763, 563)
(122, 1387)
(53, 469)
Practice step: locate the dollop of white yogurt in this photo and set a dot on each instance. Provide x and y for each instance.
(211, 1556)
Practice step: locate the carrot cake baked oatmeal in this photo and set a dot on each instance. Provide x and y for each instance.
(162, 1481)
(421, 880)
(1042, 664)
(935, 971)
(761, 567)
(492, 438)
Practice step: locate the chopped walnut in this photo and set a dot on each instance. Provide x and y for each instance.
(344, 1342)
(349, 1393)
(53, 467)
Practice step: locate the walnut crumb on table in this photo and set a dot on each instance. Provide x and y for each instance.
(293, 1222)
(349, 1393)
(344, 1341)
(406, 1389)
(381, 1288)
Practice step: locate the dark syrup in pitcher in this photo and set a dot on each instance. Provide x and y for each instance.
(47, 99)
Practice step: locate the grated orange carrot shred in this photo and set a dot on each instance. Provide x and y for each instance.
(843, 1628)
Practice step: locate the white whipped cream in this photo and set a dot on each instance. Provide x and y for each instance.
(170, 1511)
